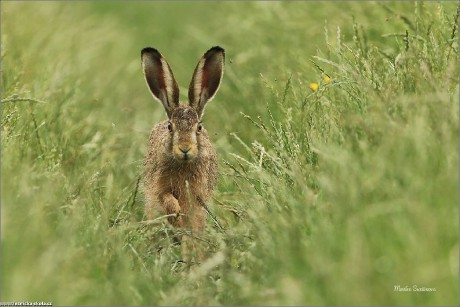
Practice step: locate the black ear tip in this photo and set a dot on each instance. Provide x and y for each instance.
(150, 50)
(217, 49)
(214, 51)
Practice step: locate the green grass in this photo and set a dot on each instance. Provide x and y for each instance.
(327, 197)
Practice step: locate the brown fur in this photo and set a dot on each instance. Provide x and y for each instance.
(180, 167)
(165, 179)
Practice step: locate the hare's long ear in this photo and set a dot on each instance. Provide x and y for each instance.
(206, 79)
(160, 78)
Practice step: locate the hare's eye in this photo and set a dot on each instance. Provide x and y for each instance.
(169, 126)
(200, 127)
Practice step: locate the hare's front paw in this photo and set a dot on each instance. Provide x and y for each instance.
(172, 206)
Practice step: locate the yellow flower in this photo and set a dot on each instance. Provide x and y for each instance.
(326, 79)
(314, 86)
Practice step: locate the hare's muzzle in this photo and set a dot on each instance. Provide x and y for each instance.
(185, 129)
(185, 152)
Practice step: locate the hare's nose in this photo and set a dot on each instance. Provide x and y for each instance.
(184, 150)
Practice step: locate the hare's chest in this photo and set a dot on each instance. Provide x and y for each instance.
(184, 184)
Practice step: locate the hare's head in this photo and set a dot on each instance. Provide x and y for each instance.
(184, 125)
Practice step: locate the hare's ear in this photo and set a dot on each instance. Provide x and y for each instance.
(206, 79)
(160, 78)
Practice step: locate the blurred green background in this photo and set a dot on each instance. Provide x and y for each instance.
(331, 196)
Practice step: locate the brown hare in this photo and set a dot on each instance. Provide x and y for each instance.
(180, 165)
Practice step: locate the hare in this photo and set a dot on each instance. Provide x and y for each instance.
(180, 167)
